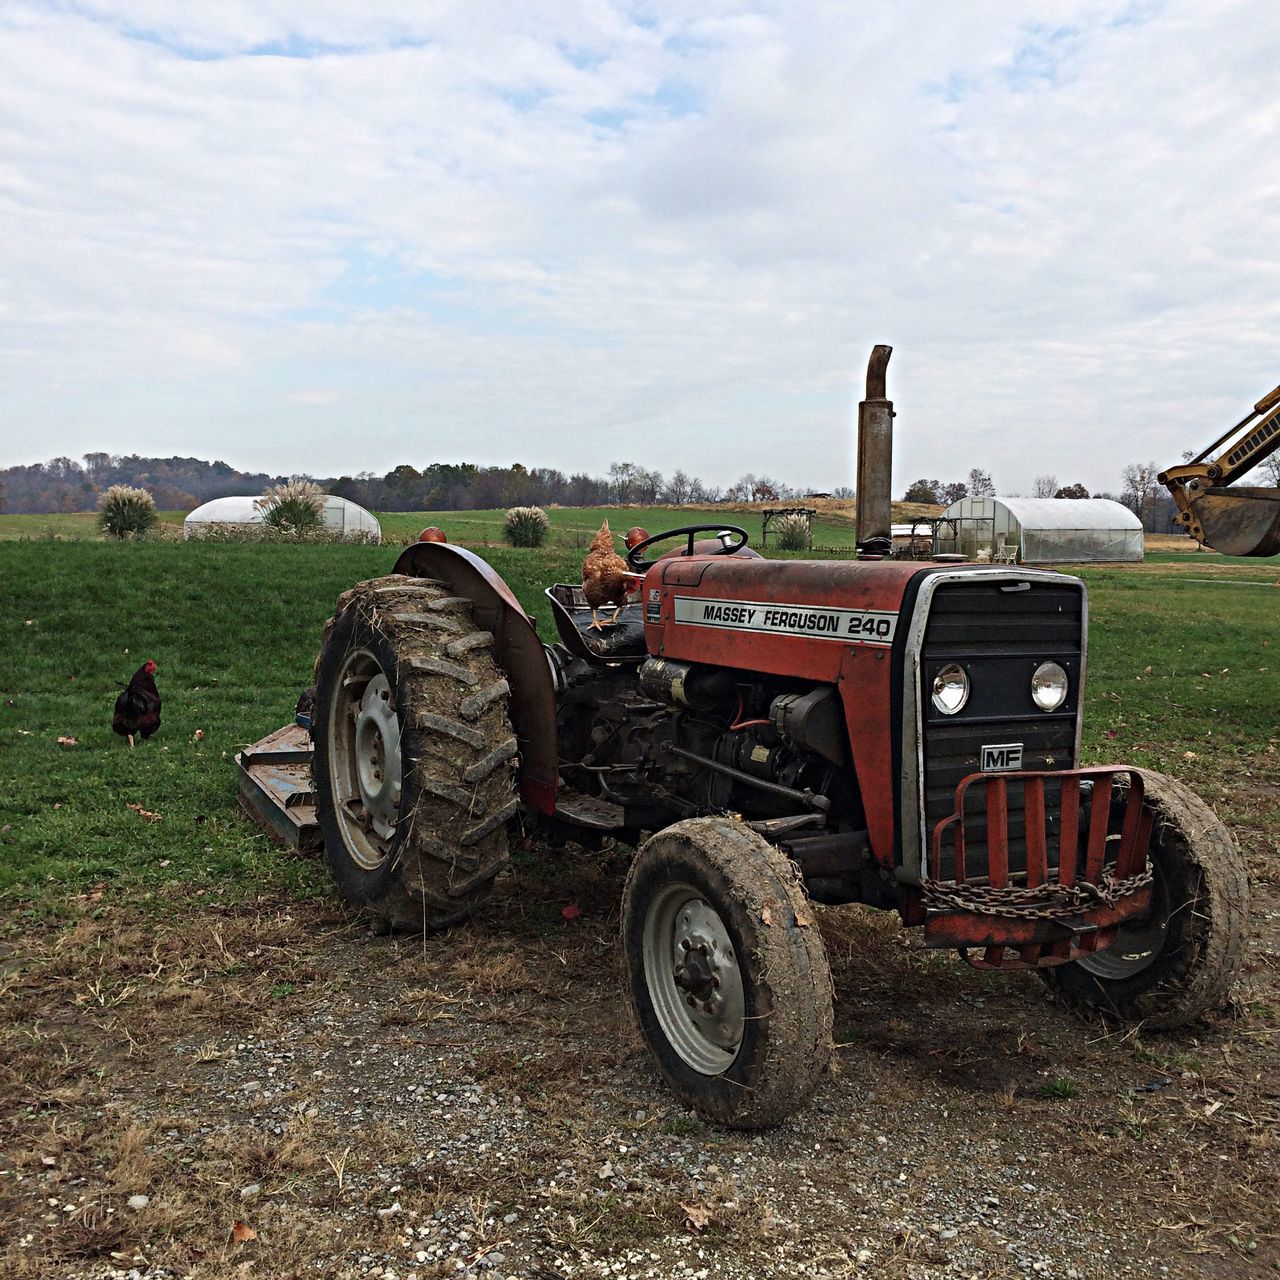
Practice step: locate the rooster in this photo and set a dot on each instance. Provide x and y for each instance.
(138, 706)
(606, 579)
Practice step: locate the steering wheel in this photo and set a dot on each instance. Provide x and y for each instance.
(689, 531)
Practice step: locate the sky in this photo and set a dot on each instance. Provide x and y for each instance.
(331, 238)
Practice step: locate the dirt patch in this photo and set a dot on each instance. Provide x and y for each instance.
(478, 1104)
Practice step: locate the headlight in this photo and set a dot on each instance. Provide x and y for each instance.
(1049, 686)
(950, 689)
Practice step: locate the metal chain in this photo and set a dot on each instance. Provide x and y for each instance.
(1051, 901)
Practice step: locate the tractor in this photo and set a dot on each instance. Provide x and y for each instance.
(768, 735)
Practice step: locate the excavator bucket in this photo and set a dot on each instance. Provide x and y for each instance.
(1240, 521)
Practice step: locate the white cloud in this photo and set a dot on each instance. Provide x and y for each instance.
(572, 233)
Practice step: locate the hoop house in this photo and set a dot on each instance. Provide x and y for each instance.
(340, 515)
(1043, 530)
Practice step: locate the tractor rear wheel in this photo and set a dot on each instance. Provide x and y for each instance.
(1180, 960)
(727, 975)
(413, 754)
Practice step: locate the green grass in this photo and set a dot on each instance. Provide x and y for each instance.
(574, 526)
(570, 526)
(235, 629)
(1179, 665)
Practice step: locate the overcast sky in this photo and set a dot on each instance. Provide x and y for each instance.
(330, 237)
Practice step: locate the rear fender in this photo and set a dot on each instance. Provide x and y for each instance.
(517, 649)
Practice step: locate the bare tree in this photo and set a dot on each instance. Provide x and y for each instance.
(1044, 486)
(677, 490)
(981, 484)
(622, 480)
(1141, 490)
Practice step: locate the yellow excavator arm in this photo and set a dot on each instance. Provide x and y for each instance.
(1240, 521)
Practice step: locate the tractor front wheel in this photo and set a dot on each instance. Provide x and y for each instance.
(727, 974)
(1179, 961)
(413, 754)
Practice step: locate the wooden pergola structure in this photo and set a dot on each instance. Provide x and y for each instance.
(777, 513)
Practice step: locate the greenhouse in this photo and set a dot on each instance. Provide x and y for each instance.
(1041, 530)
(341, 517)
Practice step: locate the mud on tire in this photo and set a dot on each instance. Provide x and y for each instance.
(1180, 962)
(414, 754)
(727, 974)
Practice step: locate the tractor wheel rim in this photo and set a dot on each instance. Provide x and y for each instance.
(377, 743)
(1137, 943)
(694, 980)
(365, 768)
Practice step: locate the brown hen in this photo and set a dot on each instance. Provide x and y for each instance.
(606, 579)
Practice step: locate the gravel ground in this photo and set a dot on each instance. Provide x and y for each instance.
(294, 1097)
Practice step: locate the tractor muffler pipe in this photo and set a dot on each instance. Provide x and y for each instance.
(874, 536)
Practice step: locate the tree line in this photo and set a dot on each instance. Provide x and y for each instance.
(179, 484)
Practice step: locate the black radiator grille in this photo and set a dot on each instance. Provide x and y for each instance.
(999, 637)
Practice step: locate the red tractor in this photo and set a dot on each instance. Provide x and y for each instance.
(770, 733)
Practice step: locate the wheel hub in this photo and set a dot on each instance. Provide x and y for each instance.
(694, 979)
(377, 752)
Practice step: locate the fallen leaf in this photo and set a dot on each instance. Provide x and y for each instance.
(803, 920)
(766, 915)
(696, 1218)
(241, 1232)
(571, 912)
(1146, 671)
(1188, 755)
(57, 804)
(95, 894)
(144, 813)
(65, 741)
(199, 733)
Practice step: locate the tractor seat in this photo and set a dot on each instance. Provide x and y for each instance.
(622, 641)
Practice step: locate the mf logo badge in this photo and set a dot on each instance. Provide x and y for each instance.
(1002, 757)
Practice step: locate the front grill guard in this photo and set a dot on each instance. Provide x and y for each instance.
(1057, 908)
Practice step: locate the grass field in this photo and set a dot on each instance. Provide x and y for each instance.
(1183, 676)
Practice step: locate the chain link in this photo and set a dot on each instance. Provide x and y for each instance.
(1052, 901)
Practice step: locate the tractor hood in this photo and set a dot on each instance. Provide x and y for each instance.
(799, 617)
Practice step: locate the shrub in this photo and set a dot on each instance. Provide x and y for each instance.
(792, 533)
(126, 512)
(526, 526)
(295, 507)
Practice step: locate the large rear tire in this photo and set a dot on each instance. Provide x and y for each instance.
(413, 754)
(727, 974)
(1179, 962)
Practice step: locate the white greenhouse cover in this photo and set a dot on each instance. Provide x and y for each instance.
(339, 513)
(1050, 530)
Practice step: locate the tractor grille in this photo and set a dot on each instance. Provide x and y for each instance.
(999, 636)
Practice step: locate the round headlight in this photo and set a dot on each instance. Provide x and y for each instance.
(1049, 686)
(950, 689)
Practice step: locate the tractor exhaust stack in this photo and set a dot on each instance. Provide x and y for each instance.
(875, 460)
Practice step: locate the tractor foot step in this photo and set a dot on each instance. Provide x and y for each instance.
(588, 811)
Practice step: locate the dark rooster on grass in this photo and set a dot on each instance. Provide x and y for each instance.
(138, 706)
